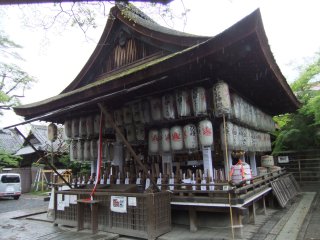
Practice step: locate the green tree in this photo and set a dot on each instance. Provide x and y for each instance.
(8, 160)
(301, 130)
(13, 80)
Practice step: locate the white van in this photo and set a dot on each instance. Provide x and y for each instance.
(10, 185)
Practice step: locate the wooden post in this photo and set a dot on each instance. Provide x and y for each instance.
(193, 220)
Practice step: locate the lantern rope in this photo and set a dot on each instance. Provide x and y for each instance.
(228, 176)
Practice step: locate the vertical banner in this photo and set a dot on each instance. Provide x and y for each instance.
(207, 161)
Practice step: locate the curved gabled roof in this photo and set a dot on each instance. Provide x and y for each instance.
(240, 55)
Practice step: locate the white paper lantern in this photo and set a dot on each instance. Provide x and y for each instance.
(136, 111)
(75, 128)
(199, 101)
(153, 141)
(108, 152)
(93, 150)
(176, 138)
(68, 128)
(190, 136)
(155, 105)
(140, 133)
(80, 150)
(165, 140)
(168, 111)
(52, 132)
(183, 103)
(83, 127)
(131, 133)
(205, 133)
(96, 125)
(73, 151)
(118, 117)
(86, 151)
(221, 99)
(127, 114)
(145, 112)
(89, 126)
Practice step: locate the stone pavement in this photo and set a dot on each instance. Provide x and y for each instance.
(299, 220)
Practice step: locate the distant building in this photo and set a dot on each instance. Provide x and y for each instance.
(10, 141)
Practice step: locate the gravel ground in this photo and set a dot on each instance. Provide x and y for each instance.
(26, 201)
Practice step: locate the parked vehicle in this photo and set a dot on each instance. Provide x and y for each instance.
(10, 185)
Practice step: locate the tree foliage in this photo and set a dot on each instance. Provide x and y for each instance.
(301, 130)
(13, 80)
(8, 160)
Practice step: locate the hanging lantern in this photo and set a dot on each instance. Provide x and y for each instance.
(68, 128)
(136, 111)
(176, 138)
(96, 125)
(145, 112)
(168, 111)
(75, 128)
(153, 141)
(140, 133)
(205, 133)
(108, 152)
(155, 104)
(199, 101)
(80, 149)
(183, 103)
(190, 137)
(52, 132)
(73, 151)
(235, 102)
(89, 126)
(93, 150)
(131, 134)
(221, 99)
(86, 151)
(127, 115)
(165, 140)
(118, 117)
(83, 127)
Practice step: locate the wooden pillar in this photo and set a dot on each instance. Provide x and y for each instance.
(264, 205)
(193, 220)
(252, 213)
(237, 224)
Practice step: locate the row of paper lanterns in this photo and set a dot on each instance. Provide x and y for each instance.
(178, 138)
(242, 138)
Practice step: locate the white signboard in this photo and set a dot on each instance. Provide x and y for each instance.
(207, 161)
(283, 159)
(118, 204)
(132, 201)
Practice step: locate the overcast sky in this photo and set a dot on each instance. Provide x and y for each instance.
(55, 57)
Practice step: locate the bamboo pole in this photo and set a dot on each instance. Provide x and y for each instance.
(135, 157)
(228, 176)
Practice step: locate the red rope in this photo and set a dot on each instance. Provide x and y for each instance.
(99, 160)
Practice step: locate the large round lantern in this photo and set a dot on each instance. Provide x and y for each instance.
(96, 125)
(168, 111)
(89, 126)
(155, 104)
(165, 140)
(86, 151)
(93, 150)
(80, 150)
(199, 101)
(153, 141)
(118, 117)
(140, 133)
(190, 137)
(145, 112)
(83, 127)
(127, 114)
(176, 138)
(52, 132)
(205, 133)
(73, 151)
(183, 103)
(131, 134)
(221, 99)
(136, 111)
(75, 128)
(68, 128)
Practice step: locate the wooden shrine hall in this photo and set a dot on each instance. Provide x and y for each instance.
(165, 116)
